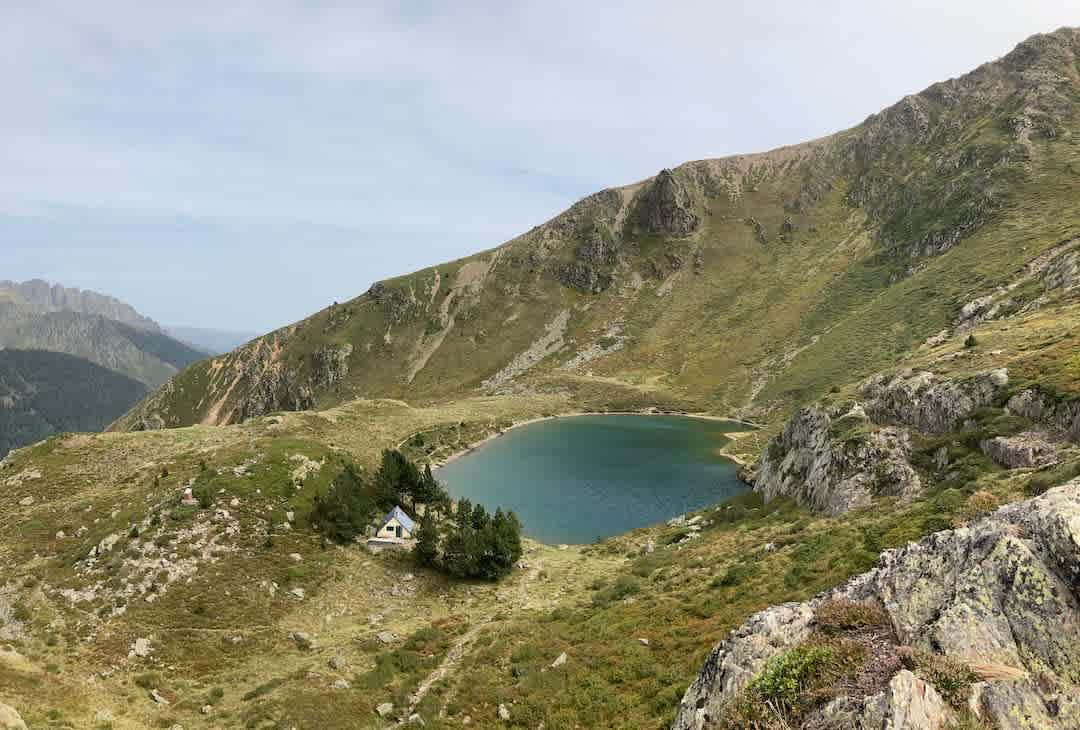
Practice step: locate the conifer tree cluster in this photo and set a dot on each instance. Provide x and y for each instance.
(471, 543)
(465, 542)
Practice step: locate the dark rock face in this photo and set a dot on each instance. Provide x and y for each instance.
(1060, 415)
(393, 301)
(599, 249)
(330, 365)
(1001, 592)
(665, 207)
(582, 277)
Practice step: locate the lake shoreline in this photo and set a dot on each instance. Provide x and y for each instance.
(571, 414)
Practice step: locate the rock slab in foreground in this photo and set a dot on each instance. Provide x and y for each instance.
(1004, 591)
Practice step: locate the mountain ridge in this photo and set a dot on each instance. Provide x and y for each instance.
(796, 240)
(41, 297)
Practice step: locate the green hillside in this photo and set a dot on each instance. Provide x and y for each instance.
(744, 285)
(42, 393)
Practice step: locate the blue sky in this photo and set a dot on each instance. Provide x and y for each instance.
(242, 168)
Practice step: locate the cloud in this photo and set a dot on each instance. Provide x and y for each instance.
(443, 127)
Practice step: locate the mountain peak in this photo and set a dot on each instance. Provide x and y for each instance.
(41, 297)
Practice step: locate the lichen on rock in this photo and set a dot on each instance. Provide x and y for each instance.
(1001, 593)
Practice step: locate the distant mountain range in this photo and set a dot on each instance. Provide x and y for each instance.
(74, 360)
(41, 297)
(212, 341)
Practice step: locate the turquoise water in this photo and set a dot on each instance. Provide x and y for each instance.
(579, 478)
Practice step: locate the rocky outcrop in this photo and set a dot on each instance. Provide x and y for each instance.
(1020, 451)
(833, 461)
(330, 365)
(839, 458)
(907, 703)
(1001, 595)
(1049, 410)
(928, 402)
(665, 207)
(582, 277)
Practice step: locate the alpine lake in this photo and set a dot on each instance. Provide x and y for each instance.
(577, 479)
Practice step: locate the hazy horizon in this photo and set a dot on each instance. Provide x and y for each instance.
(242, 174)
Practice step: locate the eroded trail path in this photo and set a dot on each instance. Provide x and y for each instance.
(461, 646)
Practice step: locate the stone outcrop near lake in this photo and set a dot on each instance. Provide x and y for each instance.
(1001, 595)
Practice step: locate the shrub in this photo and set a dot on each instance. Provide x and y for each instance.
(978, 504)
(1050, 478)
(952, 678)
(736, 574)
(838, 615)
(624, 586)
(791, 684)
(970, 341)
(785, 676)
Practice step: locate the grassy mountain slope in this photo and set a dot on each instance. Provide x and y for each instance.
(744, 284)
(42, 393)
(104, 555)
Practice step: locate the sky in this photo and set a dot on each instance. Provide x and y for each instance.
(241, 165)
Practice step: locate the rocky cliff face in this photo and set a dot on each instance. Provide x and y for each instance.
(1053, 412)
(839, 458)
(665, 207)
(834, 473)
(927, 402)
(1000, 596)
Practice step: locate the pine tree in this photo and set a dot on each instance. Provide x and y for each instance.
(397, 480)
(427, 541)
(479, 518)
(343, 512)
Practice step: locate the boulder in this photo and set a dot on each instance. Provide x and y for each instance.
(909, 703)
(559, 661)
(1022, 450)
(504, 713)
(302, 640)
(384, 709)
(141, 648)
(1002, 591)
